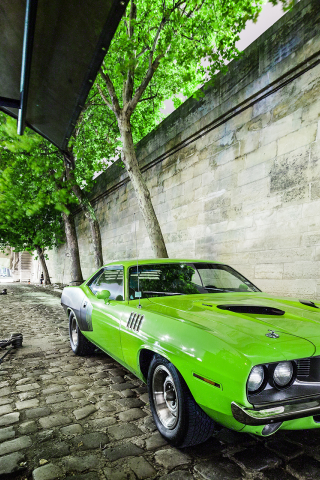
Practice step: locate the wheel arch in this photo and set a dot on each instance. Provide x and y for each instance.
(69, 310)
(145, 357)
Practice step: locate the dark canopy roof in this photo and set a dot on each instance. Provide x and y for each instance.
(70, 40)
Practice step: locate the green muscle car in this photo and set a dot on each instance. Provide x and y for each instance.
(211, 346)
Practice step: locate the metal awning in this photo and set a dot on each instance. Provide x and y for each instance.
(50, 53)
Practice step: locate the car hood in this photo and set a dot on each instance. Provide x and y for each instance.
(298, 329)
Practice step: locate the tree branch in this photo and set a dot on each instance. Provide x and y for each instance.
(128, 90)
(148, 98)
(114, 106)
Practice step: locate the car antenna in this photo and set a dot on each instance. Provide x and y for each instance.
(135, 233)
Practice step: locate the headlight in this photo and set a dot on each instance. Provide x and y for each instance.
(283, 373)
(256, 378)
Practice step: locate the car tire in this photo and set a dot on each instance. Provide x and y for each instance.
(79, 344)
(178, 417)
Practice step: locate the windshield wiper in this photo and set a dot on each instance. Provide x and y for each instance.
(163, 293)
(214, 288)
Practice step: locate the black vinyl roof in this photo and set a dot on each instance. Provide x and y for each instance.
(49, 74)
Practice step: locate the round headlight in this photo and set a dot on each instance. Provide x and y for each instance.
(283, 373)
(256, 378)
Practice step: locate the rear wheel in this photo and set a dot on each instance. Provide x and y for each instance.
(79, 344)
(178, 417)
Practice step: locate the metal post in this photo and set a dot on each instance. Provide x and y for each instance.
(29, 27)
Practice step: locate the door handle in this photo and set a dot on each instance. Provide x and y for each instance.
(84, 304)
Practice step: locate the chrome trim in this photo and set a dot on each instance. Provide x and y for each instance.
(248, 416)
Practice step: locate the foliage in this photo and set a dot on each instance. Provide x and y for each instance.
(26, 233)
(158, 50)
(157, 54)
(29, 215)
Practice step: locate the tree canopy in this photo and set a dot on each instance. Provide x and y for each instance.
(162, 49)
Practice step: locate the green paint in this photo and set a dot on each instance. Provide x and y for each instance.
(197, 337)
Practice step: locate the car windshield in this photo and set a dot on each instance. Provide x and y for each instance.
(185, 279)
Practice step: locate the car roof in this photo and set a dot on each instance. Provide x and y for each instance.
(143, 261)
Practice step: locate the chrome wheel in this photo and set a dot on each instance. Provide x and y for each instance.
(74, 332)
(165, 397)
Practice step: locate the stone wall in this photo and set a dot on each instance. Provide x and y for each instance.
(234, 177)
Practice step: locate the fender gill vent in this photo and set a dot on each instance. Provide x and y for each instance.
(303, 367)
(308, 303)
(134, 322)
(255, 309)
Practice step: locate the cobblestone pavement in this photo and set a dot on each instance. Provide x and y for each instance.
(68, 417)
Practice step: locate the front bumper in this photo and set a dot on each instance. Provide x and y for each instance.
(247, 416)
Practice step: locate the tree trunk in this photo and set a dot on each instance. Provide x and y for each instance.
(141, 190)
(88, 212)
(93, 222)
(43, 262)
(72, 241)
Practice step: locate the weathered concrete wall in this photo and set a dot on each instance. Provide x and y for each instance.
(234, 177)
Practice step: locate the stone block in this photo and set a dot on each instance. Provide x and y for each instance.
(155, 441)
(54, 421)
(304, 467)
(249, 143)
(84, 412)
(7, 433)
(290, 288)
(90, 441)
(80, 464)
(15, 445)
(212, 470)
(294, 140)
(141, 467)
(171, 458)
(6, 400)
(257, 459)
(290, 169)
(37, 412)
(27, 387)
(27, 404)
(310, 209)
(227, 155)
(6, 409)
(269, 270)
(10, 463)
(47, 472)
(280, 128)
(74, 429)
(121, 473)
(5, 391)
(124, 431)
(9, 419)
(121, 451)
(252, 174)
(261, 154)
(26, 428)
(131, 414)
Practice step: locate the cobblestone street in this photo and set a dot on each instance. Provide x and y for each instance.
(68, 417)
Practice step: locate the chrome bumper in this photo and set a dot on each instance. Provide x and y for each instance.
(248, 416)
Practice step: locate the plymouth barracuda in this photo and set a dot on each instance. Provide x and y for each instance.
(212, 348)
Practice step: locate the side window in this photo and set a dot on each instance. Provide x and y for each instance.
(93, 280)
(111, 279)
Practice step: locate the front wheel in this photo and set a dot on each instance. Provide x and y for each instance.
(79, 344)
(178, 417)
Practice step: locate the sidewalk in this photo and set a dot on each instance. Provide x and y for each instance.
(75, 418)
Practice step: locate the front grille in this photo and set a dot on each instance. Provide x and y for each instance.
(134, 322)
(303, 367)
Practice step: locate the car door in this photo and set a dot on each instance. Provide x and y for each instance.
(106, 314)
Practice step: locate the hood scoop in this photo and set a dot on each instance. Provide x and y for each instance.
(308, 303)
(253, 309)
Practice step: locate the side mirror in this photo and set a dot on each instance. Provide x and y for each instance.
(243, 287)
(104, 295)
